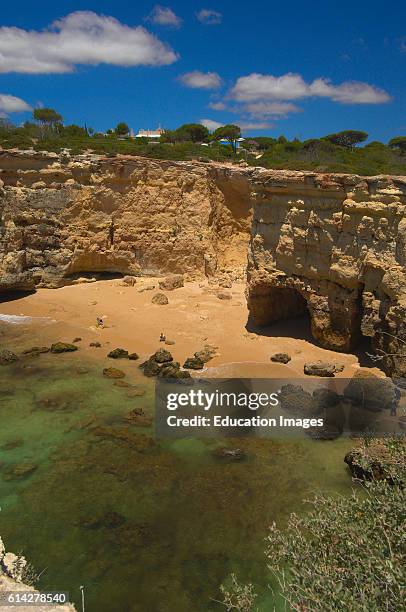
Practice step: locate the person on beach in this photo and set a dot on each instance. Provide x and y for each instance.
(162, 337)
(395, 401)
(99, 322)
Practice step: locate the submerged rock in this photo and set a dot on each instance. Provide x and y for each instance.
(365, 390)
(150, 368)
(7, 357)
(19, 471)
(113, 373)
(232, 454)
(63, 347)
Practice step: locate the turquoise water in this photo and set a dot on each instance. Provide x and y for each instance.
(93, 499)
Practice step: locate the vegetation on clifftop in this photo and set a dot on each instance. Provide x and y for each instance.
(333, 153)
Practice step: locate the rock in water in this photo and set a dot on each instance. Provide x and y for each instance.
(63, 347)
(118, 353)
(113, 373)
(281, 358)
(169, 283)
(322, 368)
(207, 353)
(7, 357)
(160, 298)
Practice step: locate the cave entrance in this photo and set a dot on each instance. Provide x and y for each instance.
(280, 312)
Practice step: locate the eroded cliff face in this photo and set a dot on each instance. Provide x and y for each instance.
(330, 245)
(61, 216)
(335, 246)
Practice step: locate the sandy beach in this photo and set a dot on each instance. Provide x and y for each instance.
(195, 316)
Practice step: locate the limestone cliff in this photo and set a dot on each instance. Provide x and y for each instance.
(61, 216)
(334, 245)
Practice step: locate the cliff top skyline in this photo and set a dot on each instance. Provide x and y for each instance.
(295, 70)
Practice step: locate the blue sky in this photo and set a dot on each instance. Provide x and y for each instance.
(295, 68)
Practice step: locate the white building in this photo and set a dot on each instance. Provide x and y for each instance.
(151, 134)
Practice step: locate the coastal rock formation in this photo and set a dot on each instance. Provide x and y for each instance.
(13, 569)
(62, 217)
(333, 246)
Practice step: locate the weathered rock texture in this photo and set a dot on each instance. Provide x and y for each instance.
(332, 245)
(61, 216)
(335, 246)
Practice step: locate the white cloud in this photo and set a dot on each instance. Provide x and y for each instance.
(349, 92)
(209, 17)
(201, 80)
(255, 126)
(163, 15)
(270, 109)
(210, 124)
(82, 37)
(217, 106)
(12, 104)
(256, 87)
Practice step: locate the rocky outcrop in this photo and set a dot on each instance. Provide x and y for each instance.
(330, 245)
(61, 217)
(333, 246)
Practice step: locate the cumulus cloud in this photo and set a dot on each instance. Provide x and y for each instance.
(256, 87)
(201, 80)
(255, 126)
(219, 106)
(270, 109)
(209, 17)
(12, 104)
(211, 124)
(82, 37)
(163, 15)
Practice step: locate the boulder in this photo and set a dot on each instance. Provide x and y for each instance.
(77, 340)
(171, 282)
(63, 347)
(207, 353)
(35, 351)
(7, 357)
(113, 373)
(295, 400)
(95, 344)
(160, 299)
(162, 356)
(13, 566)
(322, 368)
(133, 356)
(118, 353)
(128, 281)
(193, 363)
(281, 358)
(150, 368)
(365, 390)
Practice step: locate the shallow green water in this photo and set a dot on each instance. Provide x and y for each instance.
(143, 525)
